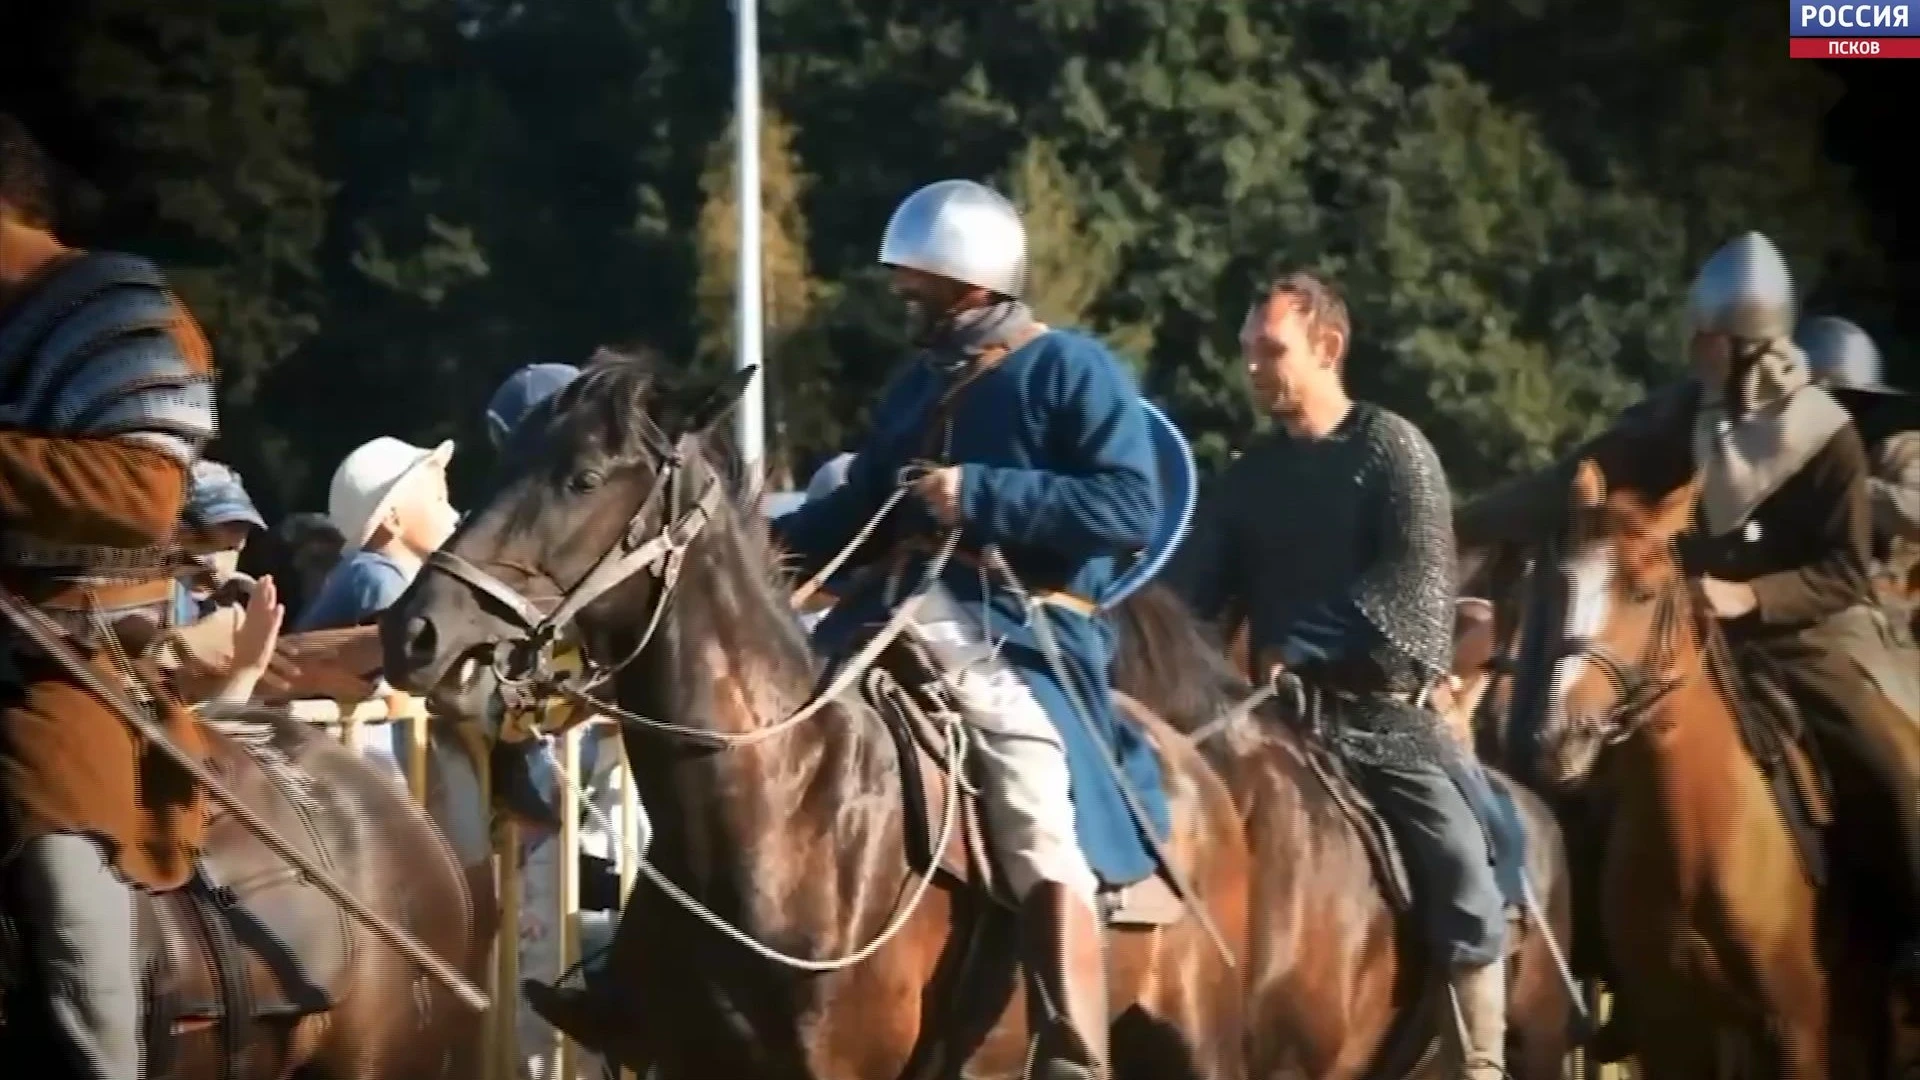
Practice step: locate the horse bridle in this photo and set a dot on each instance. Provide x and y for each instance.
(1637, 685)
(526, 660)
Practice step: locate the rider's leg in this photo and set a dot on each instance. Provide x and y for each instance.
(1025, 793)
(1499, 822)
(1881, 796)
(1462, 910)
(1869, 745)
(81, 937)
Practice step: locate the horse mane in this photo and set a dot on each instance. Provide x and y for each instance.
(1173, 661)
(1162, 644)
(621, 389)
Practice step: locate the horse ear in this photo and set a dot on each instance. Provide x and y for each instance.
(699, 410)
(1589, 486)
(1675, 511)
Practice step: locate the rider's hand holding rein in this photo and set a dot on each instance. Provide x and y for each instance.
(1729, 599)
(940, 490)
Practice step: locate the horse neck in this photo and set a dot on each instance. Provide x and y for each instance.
(753, 820)
(1691, 736)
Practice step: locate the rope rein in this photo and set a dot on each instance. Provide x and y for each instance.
(669, 560)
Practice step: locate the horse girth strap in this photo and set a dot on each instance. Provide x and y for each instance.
(44, 634)
(620, 562)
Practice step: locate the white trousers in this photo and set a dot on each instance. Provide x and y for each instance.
(1024, 788)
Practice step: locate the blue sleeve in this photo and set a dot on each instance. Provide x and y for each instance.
(820, 529)
(1327, 634)
(319, 614)
(817, 532)
(375, 587)
(1202, 570)
(354, 590)
(1103, 498)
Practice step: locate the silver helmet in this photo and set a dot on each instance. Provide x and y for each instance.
(1842, 355)
(962, 231)
(1744, 290)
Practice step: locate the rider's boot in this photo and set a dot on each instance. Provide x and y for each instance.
(1480, 995)
(581, 1013)
(1067, 971)
(79, 921)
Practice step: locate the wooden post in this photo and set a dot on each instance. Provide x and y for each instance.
(507, 949)
(567, 862)
(626, 850)
(419, 736)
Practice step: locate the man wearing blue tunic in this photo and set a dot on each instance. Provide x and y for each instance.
(1033, 442)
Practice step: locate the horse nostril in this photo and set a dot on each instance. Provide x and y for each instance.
(423, 640)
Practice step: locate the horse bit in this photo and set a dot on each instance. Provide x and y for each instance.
(524, 663)
(524, 666)
(1637, 686)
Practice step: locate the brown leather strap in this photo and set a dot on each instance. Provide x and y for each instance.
(940, 417)
(1059, 598)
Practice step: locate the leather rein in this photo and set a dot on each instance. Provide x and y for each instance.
(1638, 685)
(524, 662)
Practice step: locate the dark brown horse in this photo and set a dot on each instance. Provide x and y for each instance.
(1332, 973)
(776, 836)
(318, 995)
(1723, 950)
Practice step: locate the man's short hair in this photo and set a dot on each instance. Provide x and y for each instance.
(1320, 302)
(24, 185)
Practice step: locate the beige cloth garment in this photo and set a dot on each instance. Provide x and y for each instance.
(1748, 447)
(1024, 784)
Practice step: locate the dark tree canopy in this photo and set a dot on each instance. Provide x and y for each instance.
(380, 207)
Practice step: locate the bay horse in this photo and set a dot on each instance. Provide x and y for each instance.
(1723, 951)
(316, 994)
(1336, 986)
(781, 839)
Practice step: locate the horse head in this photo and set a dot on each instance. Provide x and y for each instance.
(1625, 634)
(601, 490)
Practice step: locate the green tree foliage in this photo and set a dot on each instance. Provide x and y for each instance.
(799, 374)
(380, 207)
(1073, 256)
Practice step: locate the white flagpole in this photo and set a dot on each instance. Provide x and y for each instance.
(750, 420)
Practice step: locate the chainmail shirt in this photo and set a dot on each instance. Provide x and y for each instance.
(1339, 553)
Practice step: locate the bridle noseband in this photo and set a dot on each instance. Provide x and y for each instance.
(1637, 685)
(524, 661)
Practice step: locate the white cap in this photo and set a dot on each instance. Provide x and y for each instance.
(365, 484)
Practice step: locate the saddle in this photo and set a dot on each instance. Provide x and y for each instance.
(245, 940)
(927, 775)
(1500, 824)
(1389, 864)
(1775, 736)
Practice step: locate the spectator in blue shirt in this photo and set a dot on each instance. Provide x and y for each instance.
(389, 501)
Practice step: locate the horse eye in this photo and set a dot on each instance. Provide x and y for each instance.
(585, 481)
